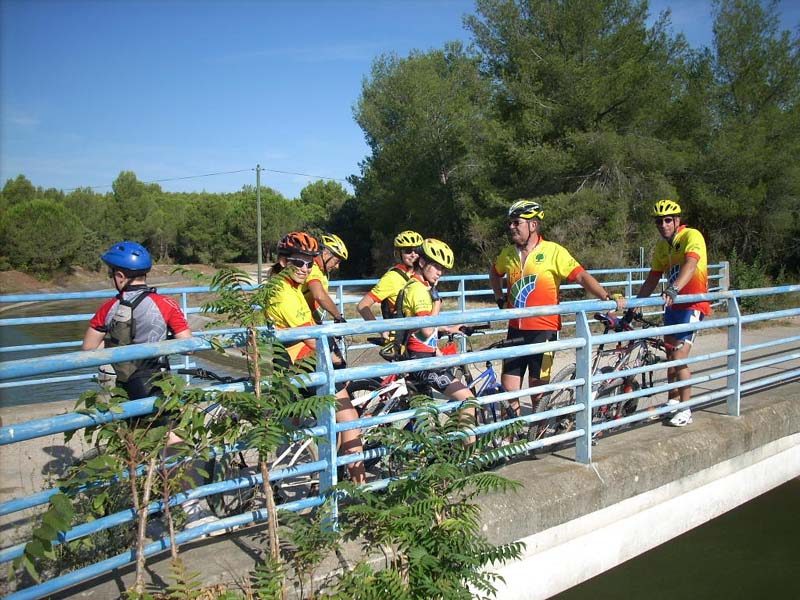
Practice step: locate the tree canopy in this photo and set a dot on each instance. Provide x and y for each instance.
(588, 106)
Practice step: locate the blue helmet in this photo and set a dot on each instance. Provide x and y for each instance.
(130, 256)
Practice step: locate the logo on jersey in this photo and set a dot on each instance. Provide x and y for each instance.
(522, 289)
(539, 257)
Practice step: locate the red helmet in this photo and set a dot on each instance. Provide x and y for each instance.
(299, 242)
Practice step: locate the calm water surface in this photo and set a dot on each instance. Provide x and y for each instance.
(751, 552)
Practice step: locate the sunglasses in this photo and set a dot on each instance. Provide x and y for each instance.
(300, 263)
(409, 250)
(660, 220)
(517, 223)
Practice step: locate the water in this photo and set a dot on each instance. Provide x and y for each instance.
(750, 552)
(67, 332)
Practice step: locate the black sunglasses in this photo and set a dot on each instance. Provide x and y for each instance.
(659, 220)
(409, 250)
(300, 263)
(517, 222)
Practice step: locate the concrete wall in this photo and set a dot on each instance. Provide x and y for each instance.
(644, 488)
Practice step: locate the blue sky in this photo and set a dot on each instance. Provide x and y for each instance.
(175, 89)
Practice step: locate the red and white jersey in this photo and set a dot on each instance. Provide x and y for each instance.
(156, 316)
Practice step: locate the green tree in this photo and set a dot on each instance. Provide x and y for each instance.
(320, 200)
(18, 190)
(41, 236)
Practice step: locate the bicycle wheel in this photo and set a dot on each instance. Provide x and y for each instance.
(233, 465)
(291, 456)
(552, 400)
(364, 398)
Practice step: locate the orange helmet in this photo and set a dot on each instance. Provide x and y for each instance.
(300, 242)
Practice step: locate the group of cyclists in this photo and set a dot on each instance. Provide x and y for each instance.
(527, 272)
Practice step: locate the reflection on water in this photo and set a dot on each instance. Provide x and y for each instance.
(44, 333)
(752, 551)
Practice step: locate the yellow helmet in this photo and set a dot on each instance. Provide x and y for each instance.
(408, 239)
(525, 209)
(335, 245)
(438, 251)
(666, 208)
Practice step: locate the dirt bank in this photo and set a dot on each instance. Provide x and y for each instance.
(79, 279)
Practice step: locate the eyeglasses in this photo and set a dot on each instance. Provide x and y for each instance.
(409, 250)
(517, 223)
(667, 220)
(111, 273)
(300, 263)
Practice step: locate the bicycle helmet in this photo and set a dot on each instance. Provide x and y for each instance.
(130, 256)
(438, 251)
(335, 245)
(300, 242)
(525, 209)
(408, 239)
(666, 208)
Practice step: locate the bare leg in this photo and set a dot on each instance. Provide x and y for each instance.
(350, 440)
(457, 391)
(681, 373)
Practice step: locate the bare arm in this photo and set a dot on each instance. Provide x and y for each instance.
(591, 285)
(496, 281)
(93, 339)
(323, 299)
(649, 284)
(684, 276)
(365, 307)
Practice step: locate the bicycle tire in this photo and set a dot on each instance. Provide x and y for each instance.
(552, 400)
(292, 455)
(365, 387)
(233, 465)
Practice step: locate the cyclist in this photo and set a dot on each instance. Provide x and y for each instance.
(287, 307)
(315, 287)
(681, 255)
(406, 248)
(138, 315)
(415, 300)
(533, 269)
(136, 309)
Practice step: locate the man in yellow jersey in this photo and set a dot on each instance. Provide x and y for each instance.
(406, 247)
(533, 269)
(287, 307)
(315, 288)
(681, 255)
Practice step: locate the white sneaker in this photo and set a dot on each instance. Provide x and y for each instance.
(681, 419)
(198, 515)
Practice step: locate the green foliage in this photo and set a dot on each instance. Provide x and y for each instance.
(426, 523)
(185, 585)
(41, 236)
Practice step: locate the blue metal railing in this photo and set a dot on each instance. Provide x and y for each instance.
(326, 378)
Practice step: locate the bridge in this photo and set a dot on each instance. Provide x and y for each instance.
(583, 509)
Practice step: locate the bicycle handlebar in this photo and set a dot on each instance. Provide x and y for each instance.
(201, 373)
(470, 329)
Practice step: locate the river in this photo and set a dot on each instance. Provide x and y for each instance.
(750, 552)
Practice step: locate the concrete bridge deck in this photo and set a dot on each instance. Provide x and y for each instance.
(646, 485)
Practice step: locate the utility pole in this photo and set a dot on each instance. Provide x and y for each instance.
(258, 220)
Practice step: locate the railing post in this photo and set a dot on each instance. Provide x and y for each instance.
(327, 447)
(725, 282)
(734, 360)
(340, 298)
(462, 306)
(629, 284)
(185, 307)
(583, 370)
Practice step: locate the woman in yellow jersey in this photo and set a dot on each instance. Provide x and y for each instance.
(287, 307)
(435, 257)
(406, 248)
(315, 288)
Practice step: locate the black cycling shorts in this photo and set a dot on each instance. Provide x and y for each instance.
(438, 379)
(537, 365)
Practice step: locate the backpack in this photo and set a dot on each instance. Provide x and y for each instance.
(386, 310)
(396, 348)
(122, 332)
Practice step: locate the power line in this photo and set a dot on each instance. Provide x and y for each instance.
(107, 185)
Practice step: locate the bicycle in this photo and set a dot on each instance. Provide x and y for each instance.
(625, 355)
(241, 461)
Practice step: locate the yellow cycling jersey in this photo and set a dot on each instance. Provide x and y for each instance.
(315, 274)
(668, 258)
(288, 308)
(390, 285)
(417, 302)
(536, 283)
